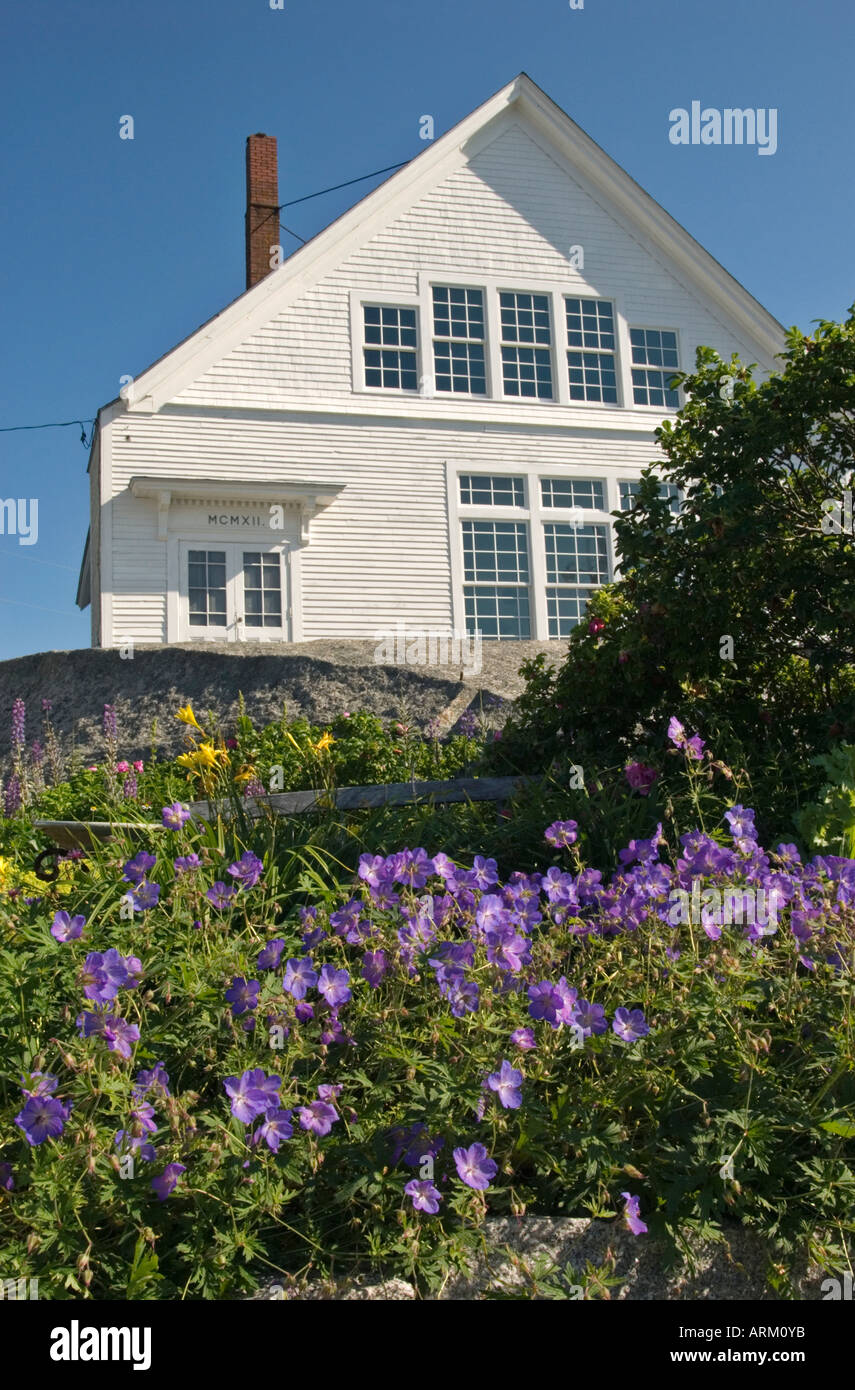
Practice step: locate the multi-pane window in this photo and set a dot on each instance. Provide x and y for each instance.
(390, 347)
(207, 588)
(654, 361)
(496, 578)
(526, 345)
(262, 589)
(458, 345)
(482, 490)
(591, 350)
(630, 488)
(576, 562)
(573, 492)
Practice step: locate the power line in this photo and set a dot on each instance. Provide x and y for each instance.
(19, 603)
(299, 238)
(54, 425)
(23, 555)
(347, 184)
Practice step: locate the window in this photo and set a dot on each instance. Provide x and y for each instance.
(573, 492)
(496, 578)
(654, 361)
(458, 344)
(206, 586)
(591, 350)
(576, 562)
(479, 490)
(262, 589)
(630, 488)
(526, 345)
(390, 347)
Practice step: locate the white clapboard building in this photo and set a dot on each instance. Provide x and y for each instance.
(425, 416)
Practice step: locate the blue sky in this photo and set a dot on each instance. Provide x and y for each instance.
(113, 250)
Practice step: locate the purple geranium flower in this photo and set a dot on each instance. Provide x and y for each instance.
(299, 977)
(275, 1127)
(425, 1196)
(319, 1117)
(97, 985)
(119, 1035)
(65, 928)
(156, 1079)
(333, 985)
(506, 1082)
(545, 1002)
(186, 863)
(561, 833)
(630, 1024)
(475, 1167)
(304, 1011)
(270, 956)
(374, 967)
(641, 777)
(243, 995)
(7, 1180)
(168, 1180)
(145, 895)
(252, 1094)
(631, 1216)
(175, 816)
(523, 1038)
(38, 1083)
(137, 868)
(247, 870)
(590, 1018)
(221, 894)
(43, 1117)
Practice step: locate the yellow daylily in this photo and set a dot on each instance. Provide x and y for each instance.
(324, 742)
(186, 715)
(246, 774)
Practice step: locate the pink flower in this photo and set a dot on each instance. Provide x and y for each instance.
(123, 767)
(93, 768)
(641, 777)
(595, 625)
(138, 766)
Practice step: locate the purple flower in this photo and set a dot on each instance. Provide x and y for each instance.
(168, 1180)
(12, 797)
(275, 1127)
(65, 928)
(333, 985)
(175, 816)
(319, 1117)
(561, 833)
(137, 868)
(303, 1011)
(299, 978)
(19, 726)
(145, 895)
(590, 1018)
(631, 1216)
(483, 873)
(119, 1035)
(97, 984)
(374, 967)
(221, 894)
(545, 1002)
(694, 748)
(329, 1092)
(130, 788)
(425, 1196)
(676, 732)
(252, 1094)
(741, 823)
(111, 728)
(630, 1025)
(270, 956)
(506, 1082)
(243, 995)
(523, 1038)
(475, 1167)
(186, 863)
(156, 1079)
(43, 1117)
(38, 1083)
(7, 1180)
(247, 870)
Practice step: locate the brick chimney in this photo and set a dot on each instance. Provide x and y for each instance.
(262, 206)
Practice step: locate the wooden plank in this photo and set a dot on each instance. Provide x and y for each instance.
(363, 798)
(74, 834)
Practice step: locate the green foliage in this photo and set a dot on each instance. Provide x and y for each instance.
(828, 824)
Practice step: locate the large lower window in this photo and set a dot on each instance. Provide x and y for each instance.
(390, 347)
(458, 344)
(576, 562)
(232, 593)
(526, 345)
(591, 350)
(262, 589)
(206, 588)
(496, 578)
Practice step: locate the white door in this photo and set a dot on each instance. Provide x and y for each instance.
(233, 592)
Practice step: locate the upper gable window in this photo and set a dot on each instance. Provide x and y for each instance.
(459, 340)
(591, 350)
(390, 347)
(526, 345)
(654, 360)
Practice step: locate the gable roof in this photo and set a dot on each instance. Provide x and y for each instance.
(170, 374)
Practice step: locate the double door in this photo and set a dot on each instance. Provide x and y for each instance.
(234, 592)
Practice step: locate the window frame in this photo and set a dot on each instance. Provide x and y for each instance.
(652, 328)
(361, 300)
(451, 395)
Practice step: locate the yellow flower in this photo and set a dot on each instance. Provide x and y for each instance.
(245, 774)
(326, 741)
(186, 715)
